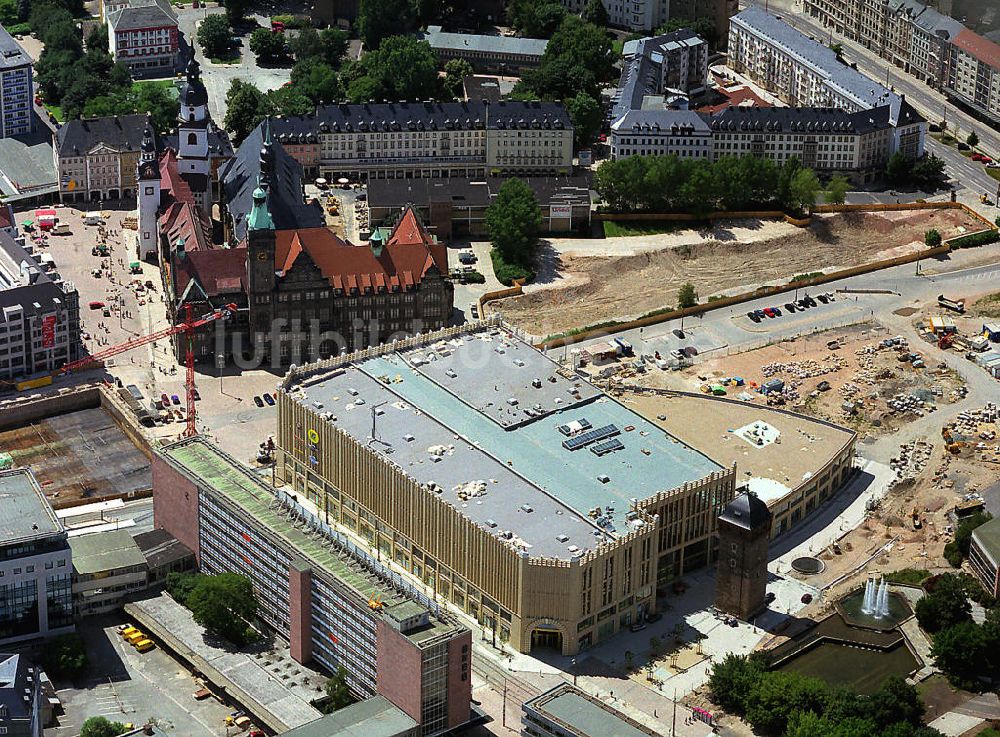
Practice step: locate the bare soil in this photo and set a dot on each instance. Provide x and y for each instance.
(589, 289)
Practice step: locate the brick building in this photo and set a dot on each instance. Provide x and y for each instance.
(741, 575)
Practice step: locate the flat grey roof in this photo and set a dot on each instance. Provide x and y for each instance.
(12, 55)
(585, 716)
(443, 415)
(374, 717)
(439, 39)
(105, 551)
(988, 537)
(25, 513)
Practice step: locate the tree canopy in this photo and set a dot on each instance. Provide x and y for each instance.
(267, 45)
(513, 221)
(535, 20)
(595, 12)
(578, 58)
(316, 80)
(945, 605)
(836, 189)
(246, 106)
(379, 19)
(403, 68)
(585, 113)
(215, 36)
(455, 72)
(101, 727)
(64, 656)
(224, 604)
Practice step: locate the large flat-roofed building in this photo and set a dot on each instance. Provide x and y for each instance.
(328, 598)
(17, 115)
(984, 555)
(39, 314)
(35, 562)
(505, 54)
(430, 139)
(374, 717)
(511, 488)
(566, 711)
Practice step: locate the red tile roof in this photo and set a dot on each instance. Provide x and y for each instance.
(172, 184)
(220, 271)
(184, 220)
(981, 48)
(401, 264)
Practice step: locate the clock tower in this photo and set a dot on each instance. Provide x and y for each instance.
(261, 275)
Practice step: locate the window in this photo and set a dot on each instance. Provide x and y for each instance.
(148, 190)
(192, 137)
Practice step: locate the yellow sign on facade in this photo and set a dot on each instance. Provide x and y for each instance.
(313, 436)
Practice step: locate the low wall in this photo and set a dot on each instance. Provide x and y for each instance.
(24, 410)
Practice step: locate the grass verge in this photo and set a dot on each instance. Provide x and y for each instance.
(614, 229)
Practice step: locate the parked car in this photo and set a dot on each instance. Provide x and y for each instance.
(802, 304)
(175, 399)
(677, 353)
(760, 314)
(789, 306)
(258, 401)
(96, 305)
(977, 157)
(823, 298)
(165, 400)
(753, 316)
(769, 311)
(679, 333)
(467, 257)
(268, 399)
(809, 301)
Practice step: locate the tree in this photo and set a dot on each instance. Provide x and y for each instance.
(928, 172)
(338, 694)
(535, 20)
(379, 19)
(963, 535)
(97, 39)
(803, 190)
(512, 222)
(895, 701)
(267, 45)
(362, 89)
(960, 651)
(577, 58)
(23, 10)
(932, 238)
(101, 727)
(236, 11)
(316, 80)
(306, 44)
(455, 72)
(944, 606)
(837, 48)
(333, 46)
(406, 69)
(246, 106)
(214, 35)
(687, 296)
(777, 695)
(972, 139)
(836, 190)
(180, 585)
(595, 12)
(655, 643)
(898, 168)
(732, 680)
(225, 604)
(289, 101)
(64, 657)
(585, 113)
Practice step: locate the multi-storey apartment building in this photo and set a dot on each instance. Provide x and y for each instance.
(36, 598)
(39, 314)
(975, 72)
(825, 139)
(332, 601)
(509, 487)
(430, 139)
(799, 71)
(97, 157)
(16, 96)
(648, 15)
(21, 698)
(143, 35)
(674, 64)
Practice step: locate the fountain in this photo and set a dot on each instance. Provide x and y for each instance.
(876, 598)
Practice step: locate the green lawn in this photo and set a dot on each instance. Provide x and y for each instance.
(56, 111)
(234, 59)
(167, 84)
(642, 227)
(995, 173)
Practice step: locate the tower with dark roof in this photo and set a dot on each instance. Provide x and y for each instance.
(192, 133)
(148, 195)
(741, 575)
(260, 241)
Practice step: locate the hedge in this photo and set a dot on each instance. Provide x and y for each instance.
(506, 272)
(972, 240)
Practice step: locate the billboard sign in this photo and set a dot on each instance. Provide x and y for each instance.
(49, 331)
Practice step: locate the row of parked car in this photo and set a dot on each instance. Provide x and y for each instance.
(267, 399)
(797, 306)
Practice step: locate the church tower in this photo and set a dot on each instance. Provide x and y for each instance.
(192, 135)
(260, 250)
(148, 177)
(741, 576)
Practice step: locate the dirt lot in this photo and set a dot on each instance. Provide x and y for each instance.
(629, 286)
(859, 370)
(988, 306)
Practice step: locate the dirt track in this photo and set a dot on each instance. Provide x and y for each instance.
(589, 289)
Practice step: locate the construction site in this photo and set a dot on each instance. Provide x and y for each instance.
(624, 278)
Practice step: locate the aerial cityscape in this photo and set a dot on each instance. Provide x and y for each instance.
(570, 368)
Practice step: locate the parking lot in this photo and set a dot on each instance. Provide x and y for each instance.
(126, 686)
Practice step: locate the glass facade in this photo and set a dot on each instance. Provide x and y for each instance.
(59, 600)
(19, 609)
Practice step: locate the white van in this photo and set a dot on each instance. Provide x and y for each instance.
(60, 229)
(93, 218)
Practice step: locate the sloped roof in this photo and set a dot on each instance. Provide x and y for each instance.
(136, 18)
(981, 48)
(748, 511)
(219, 271)
(173, 188)
(187, 221)
(120, 132)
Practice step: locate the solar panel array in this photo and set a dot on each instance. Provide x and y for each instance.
(608, 446)
(583, 422)
(591, 436)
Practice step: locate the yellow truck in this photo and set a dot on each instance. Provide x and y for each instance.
(135, 637)
(144, 645)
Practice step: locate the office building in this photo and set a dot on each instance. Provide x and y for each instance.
(36, 564)
(656, 69)
(143, 35)
(430, 139)
(503, 54)
(508, 486)
(23, 709)
(17, 96)
(332, 601)
(39, 313)
(799, 71)
(456, 208)
(566, 711)
(984, 556)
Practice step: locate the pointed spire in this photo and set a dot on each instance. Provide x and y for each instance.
(148, 148)
(266, 157)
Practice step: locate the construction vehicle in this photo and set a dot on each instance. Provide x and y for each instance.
(958, 305)
(187, 327)
(945, 341)
(915, 515)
